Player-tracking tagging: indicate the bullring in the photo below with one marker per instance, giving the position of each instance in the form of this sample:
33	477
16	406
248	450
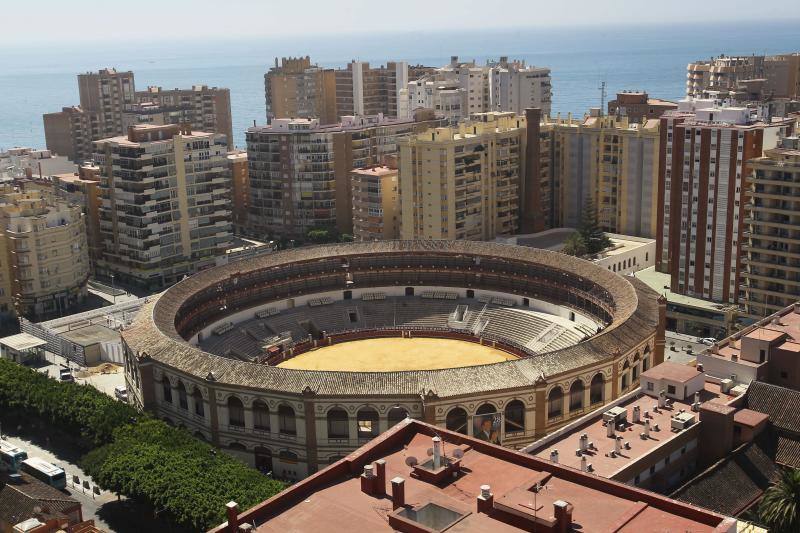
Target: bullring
210	353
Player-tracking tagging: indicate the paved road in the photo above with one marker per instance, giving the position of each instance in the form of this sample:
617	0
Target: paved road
90	501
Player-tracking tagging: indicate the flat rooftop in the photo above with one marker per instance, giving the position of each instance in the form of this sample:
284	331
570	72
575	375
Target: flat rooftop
333	500
660	282
780	330
595	428
90	334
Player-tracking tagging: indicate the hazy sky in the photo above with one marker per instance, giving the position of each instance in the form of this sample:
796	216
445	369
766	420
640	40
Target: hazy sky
97	20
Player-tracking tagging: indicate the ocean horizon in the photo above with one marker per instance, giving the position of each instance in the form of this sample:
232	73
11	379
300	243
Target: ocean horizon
41	77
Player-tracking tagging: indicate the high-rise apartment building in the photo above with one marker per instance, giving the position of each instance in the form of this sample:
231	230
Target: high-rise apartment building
772	230
110	104
365	90
240	189
297	89
611	161
460	89
516	86
103	97
445	97
300	169
376	203
83	188
165	209
463	182
703	162
201	107
47	264
745	78
638	107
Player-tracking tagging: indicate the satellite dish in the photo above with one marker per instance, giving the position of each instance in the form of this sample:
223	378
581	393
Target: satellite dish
458	453
429	452
411	461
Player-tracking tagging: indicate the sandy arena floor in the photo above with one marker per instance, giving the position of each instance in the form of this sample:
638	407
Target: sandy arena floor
383	355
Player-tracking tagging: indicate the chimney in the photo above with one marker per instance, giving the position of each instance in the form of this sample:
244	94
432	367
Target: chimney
554	456
368	480
232	510
485	500
617	445
563	514
636	414
398	492
583	463
610	429
437	452
662	398
379	485
647	428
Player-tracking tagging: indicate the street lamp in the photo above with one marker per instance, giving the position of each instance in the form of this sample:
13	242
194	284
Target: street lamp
113	289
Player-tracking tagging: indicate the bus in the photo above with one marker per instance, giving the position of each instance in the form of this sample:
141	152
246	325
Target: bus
45	472
11	457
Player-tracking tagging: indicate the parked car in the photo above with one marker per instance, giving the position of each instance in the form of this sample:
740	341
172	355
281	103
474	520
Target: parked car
121	393
708	341
66	375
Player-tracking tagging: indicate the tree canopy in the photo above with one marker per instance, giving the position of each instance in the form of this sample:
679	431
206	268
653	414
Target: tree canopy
134	454
590	231
779	509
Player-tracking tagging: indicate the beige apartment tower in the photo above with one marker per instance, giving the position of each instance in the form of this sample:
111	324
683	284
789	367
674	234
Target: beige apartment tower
376	203
47	262
166	209
463	182
298	89
772	240
110	104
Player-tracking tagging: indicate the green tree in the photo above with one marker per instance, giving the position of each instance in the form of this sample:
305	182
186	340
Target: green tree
575	245
322	235
589	229
779	509
130	452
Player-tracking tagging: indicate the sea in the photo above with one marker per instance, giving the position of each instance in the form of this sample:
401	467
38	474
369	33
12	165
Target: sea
41	77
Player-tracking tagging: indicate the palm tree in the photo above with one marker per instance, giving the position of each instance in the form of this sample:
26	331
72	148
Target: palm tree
780	507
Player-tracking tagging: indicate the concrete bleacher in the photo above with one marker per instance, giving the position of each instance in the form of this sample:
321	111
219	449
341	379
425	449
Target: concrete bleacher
492	317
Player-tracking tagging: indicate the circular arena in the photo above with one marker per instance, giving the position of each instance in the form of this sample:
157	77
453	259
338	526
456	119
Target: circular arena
292	360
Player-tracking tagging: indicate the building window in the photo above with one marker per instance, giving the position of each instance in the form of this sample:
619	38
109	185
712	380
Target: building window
367	423
650	385
183	401
576	395
670	389
199	406
514	416
235	412
596	389
286	420
457	420
555	403
260	415
338	424
167	391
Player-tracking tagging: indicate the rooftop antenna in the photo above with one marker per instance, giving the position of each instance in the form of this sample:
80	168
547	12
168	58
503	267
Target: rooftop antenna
602	89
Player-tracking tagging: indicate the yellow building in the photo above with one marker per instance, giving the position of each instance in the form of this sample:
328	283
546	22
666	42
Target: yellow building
613	162
376	203
463	182
47	263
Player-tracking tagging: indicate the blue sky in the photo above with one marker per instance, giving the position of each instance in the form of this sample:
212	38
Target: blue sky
43	21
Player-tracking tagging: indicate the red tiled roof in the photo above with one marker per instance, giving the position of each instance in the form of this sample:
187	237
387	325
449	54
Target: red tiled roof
672	371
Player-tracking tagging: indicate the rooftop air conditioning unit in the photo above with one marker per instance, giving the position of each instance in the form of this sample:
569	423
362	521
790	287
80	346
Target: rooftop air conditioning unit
726	385
616	415
682	421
